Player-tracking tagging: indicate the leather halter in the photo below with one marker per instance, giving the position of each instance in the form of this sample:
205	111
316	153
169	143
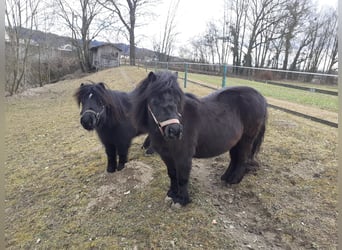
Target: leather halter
163	123
97	114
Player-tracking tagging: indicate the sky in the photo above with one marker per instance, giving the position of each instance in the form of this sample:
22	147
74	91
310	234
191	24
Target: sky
192	17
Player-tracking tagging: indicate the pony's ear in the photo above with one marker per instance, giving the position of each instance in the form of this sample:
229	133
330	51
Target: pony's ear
151	77
102	85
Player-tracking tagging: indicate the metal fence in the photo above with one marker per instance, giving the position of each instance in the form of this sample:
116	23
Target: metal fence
283	78
251	73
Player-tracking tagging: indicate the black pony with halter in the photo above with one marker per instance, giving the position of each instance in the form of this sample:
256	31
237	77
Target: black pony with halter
105	111
230	119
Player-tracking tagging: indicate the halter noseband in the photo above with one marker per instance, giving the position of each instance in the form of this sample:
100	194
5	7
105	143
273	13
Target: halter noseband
163	123
97	114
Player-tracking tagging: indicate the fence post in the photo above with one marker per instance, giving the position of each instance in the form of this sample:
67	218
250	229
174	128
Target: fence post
185	74
224	75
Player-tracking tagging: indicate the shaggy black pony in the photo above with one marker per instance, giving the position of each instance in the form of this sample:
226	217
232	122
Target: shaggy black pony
181	127
106	111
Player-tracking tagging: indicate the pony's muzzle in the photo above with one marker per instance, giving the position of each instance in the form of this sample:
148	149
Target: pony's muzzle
174	131
88	121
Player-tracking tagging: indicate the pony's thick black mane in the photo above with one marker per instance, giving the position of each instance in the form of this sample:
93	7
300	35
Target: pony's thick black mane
163	81
107	97
154	84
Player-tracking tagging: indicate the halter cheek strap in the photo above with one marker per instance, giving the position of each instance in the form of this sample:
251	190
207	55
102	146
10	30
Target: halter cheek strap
163	123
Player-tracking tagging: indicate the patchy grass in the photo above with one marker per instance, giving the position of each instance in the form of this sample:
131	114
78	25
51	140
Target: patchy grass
58	194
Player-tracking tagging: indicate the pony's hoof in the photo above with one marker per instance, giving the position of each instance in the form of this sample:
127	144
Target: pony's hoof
231	178
173	205
182	201
226	176
168	201
111	170
234	179
252	166
176	205
120	167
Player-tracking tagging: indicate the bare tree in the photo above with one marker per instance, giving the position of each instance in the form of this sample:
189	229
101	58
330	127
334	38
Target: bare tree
208	43
128	11
166	42
237	28
333	56
224	38
42	64
297	12
260	17
185	52
264	43
210	40
19	15
321	37
331	48
85	19
213	43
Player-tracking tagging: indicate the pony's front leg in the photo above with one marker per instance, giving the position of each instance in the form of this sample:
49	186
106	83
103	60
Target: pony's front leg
147	146
111	158
183	168
171	171
179	173
123	152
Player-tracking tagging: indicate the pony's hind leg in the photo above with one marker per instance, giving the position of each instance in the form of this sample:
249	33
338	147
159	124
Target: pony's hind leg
239	156
111	158
232	165
252	163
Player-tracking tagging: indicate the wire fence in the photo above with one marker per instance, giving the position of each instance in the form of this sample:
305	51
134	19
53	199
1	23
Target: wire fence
251	73
305	81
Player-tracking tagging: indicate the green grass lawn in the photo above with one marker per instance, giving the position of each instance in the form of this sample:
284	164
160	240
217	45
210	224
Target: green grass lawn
322	101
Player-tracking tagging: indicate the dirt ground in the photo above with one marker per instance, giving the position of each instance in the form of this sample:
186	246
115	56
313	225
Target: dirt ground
59	195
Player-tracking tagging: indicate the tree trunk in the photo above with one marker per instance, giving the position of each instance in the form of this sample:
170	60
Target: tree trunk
131	48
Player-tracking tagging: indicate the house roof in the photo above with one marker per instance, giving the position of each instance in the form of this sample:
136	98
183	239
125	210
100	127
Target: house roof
97	44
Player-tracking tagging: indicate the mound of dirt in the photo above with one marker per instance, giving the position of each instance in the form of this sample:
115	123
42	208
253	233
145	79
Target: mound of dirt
135	175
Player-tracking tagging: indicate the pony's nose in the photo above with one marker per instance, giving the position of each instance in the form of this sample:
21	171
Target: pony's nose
174	131
88	121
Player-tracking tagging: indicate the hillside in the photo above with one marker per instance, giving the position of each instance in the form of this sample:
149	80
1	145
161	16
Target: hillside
57	41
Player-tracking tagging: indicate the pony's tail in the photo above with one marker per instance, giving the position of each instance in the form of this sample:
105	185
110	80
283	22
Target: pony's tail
259	139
